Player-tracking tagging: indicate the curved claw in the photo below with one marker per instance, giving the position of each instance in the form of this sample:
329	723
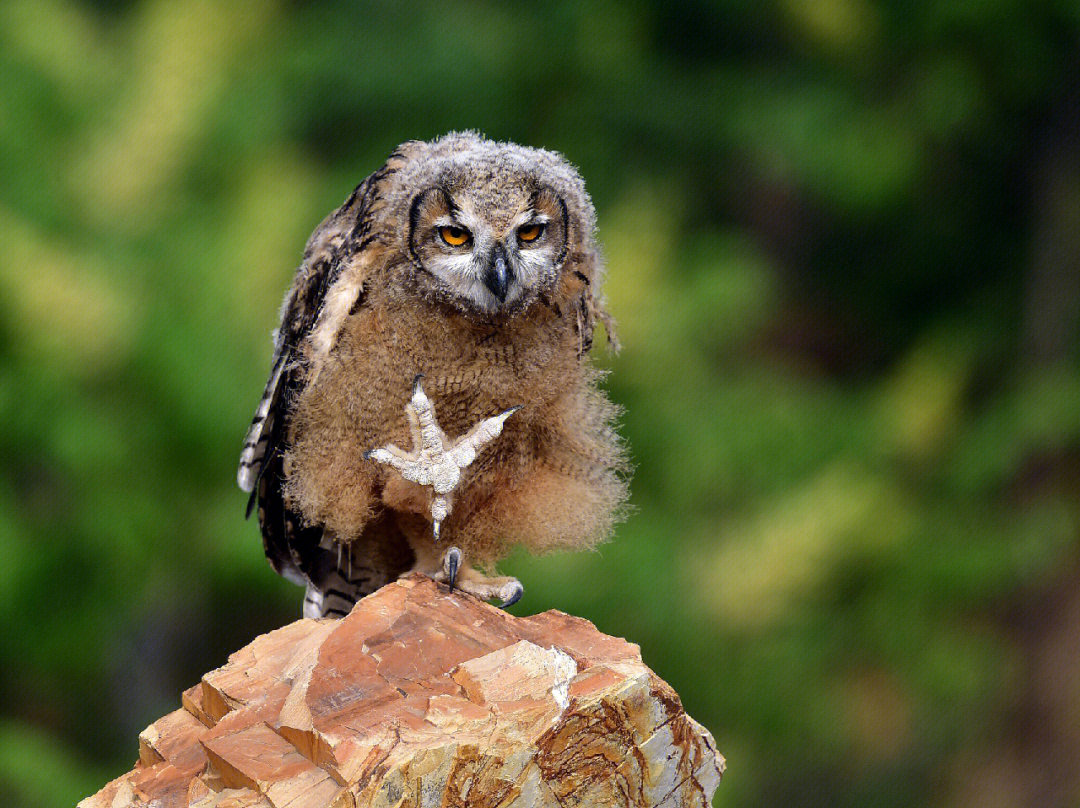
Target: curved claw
516	591
416	382
451	564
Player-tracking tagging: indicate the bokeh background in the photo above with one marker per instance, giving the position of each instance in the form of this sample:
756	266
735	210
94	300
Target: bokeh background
844	250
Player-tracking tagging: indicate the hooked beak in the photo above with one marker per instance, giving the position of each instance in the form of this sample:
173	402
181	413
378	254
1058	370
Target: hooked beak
497	277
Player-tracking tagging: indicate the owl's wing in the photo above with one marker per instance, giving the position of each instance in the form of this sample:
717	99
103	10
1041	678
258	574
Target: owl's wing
590	310
327	287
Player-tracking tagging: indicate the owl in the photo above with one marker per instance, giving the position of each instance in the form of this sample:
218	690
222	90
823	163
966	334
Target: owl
447	306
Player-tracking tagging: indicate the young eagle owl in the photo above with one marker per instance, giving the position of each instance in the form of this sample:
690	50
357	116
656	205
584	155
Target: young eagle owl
464	270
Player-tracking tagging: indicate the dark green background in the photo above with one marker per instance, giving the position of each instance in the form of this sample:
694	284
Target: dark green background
843	248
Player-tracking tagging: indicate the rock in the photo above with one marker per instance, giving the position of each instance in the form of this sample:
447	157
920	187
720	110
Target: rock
421	697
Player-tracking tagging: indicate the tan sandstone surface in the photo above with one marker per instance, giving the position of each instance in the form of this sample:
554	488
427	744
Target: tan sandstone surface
421	697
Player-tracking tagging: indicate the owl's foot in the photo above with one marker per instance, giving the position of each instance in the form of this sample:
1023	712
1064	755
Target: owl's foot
503	588
451	562
435	460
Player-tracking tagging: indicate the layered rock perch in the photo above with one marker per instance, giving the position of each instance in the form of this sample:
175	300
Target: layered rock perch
421	697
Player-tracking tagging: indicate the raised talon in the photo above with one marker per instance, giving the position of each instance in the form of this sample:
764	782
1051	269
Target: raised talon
435	460
511	593
451	563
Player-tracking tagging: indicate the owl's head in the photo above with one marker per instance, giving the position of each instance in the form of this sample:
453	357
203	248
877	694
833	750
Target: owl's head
494	250
489	226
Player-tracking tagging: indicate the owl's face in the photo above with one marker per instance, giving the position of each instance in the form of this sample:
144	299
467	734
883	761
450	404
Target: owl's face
489	248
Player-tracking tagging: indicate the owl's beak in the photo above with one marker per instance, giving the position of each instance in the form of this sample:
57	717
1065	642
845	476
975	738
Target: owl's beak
497	277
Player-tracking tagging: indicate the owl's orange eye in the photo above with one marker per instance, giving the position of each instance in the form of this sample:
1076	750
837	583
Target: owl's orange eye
454	236
530	232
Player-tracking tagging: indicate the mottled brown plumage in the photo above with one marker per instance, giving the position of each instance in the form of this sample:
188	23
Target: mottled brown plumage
503	319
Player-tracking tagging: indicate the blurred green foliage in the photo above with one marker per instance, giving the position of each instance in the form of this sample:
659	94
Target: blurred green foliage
844	250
